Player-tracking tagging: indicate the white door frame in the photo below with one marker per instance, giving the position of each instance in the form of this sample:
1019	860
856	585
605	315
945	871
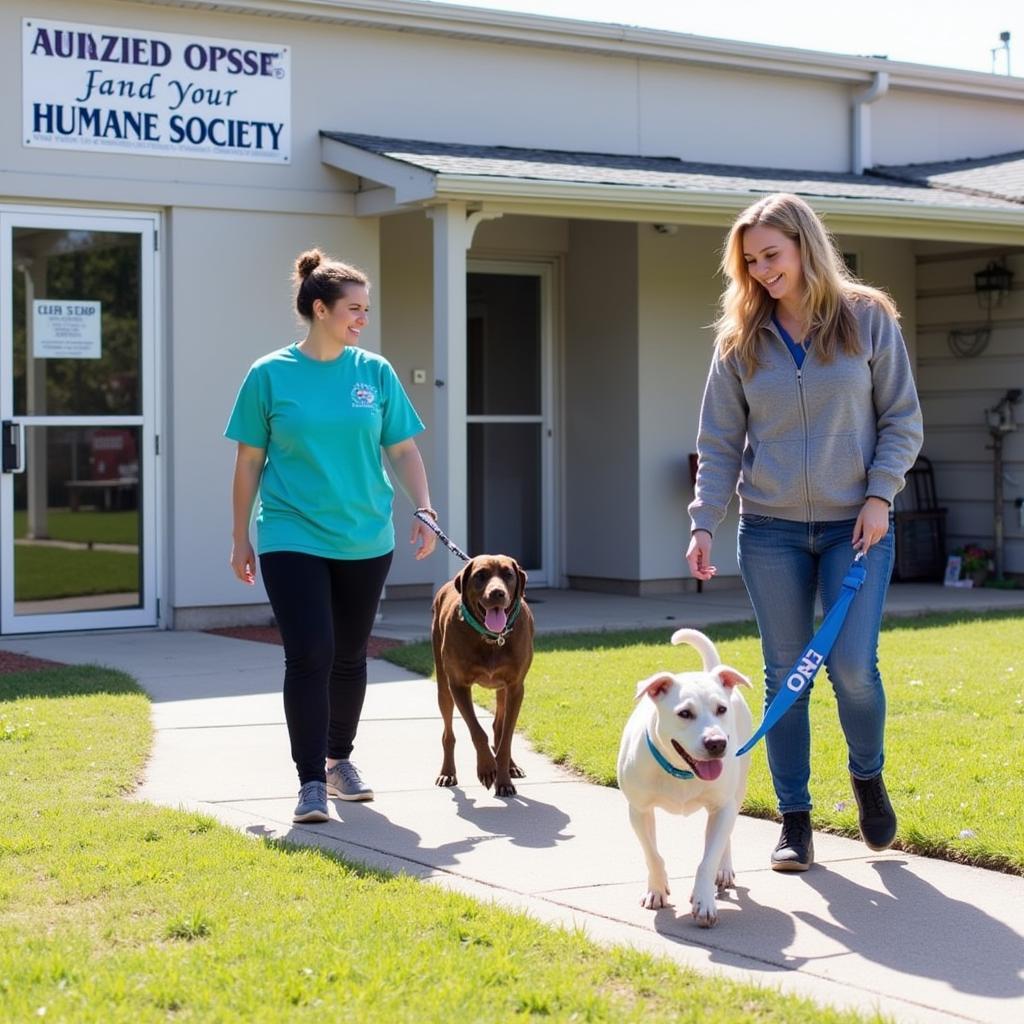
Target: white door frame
146	225
549	573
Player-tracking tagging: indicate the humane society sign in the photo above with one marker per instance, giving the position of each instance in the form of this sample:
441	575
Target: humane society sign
154	93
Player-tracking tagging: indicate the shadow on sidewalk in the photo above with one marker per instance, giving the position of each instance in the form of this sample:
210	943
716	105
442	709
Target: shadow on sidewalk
917	929
523	820
774	932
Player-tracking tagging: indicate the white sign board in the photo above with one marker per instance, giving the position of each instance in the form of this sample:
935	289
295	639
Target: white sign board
65	329
117	90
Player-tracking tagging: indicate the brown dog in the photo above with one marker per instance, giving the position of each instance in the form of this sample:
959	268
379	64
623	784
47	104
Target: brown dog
482	633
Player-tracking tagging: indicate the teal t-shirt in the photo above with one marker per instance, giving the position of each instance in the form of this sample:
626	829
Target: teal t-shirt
324	490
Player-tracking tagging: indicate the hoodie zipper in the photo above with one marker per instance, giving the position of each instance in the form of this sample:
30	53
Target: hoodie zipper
803	419
807	441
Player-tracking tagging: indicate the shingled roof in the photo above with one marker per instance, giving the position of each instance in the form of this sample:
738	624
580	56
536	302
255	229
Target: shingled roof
995	177
667	173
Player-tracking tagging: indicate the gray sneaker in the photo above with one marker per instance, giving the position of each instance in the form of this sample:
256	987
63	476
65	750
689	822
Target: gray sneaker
345	783
312	805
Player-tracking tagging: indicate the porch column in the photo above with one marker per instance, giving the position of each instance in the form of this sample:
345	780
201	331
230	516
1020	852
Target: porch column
449	479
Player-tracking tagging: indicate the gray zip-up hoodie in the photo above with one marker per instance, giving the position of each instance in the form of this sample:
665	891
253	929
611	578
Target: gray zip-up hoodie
808	444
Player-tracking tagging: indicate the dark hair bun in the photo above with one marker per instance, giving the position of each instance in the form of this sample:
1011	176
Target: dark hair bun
308	262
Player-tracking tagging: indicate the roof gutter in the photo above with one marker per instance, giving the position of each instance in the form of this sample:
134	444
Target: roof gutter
685	206
860	148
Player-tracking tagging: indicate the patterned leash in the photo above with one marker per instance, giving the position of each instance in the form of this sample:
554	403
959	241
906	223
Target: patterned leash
816	652
454	548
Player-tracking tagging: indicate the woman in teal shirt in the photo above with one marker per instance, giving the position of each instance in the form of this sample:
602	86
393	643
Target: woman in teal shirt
310	421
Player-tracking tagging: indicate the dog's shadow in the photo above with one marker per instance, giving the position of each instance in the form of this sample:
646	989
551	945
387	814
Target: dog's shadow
775	930
523	821
527	822
917	929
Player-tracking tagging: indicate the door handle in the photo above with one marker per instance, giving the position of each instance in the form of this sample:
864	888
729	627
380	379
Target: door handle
12	443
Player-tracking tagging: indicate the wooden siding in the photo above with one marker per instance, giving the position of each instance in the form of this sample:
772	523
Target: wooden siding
956	391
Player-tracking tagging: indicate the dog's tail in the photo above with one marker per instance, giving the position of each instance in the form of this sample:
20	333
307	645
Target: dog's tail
695	638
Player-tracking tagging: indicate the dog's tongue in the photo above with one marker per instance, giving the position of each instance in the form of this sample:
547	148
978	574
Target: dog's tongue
495	619
708	770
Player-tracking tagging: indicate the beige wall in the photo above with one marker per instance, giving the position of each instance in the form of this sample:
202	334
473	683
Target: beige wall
678	295
403	301
230	301
718	116
601	416
911	127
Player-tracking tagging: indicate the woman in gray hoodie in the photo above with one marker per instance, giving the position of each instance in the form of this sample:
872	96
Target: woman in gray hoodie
810	415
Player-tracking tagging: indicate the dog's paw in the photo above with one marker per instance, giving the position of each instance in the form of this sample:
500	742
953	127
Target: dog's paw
654	899
725	879
515	771
703	909
446	780
487	773
504	789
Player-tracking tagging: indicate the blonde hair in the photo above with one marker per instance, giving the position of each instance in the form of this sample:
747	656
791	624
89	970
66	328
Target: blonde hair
830	289
317	276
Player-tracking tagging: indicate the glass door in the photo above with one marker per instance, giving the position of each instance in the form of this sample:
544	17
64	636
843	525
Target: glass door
77	509
508	402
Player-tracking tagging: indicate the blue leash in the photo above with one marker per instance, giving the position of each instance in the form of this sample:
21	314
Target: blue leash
816	652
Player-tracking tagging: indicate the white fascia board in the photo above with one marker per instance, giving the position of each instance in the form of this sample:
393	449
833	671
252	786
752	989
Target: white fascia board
410	184
646	205
610	39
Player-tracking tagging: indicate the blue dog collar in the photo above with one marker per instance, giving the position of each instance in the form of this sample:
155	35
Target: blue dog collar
658	756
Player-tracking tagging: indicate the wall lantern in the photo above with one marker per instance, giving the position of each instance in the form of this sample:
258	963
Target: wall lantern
992	283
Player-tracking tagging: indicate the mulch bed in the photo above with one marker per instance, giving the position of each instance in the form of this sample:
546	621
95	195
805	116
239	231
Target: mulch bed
11	662
271	635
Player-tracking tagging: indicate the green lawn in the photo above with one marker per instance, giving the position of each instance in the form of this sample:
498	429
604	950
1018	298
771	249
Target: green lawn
113	911
50	572
117	527
955	688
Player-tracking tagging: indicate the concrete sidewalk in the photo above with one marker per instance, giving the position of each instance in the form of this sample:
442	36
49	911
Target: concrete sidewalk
918	939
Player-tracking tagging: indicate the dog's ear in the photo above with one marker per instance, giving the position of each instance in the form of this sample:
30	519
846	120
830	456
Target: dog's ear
654	686
462	580
521	581
729	677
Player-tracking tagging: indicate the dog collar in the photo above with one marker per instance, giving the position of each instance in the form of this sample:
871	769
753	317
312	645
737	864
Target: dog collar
664	761
488	634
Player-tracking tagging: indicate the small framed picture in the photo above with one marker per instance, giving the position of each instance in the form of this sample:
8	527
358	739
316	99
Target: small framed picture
952	571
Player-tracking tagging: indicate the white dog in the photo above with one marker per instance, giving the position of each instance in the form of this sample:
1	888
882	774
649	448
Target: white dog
678	753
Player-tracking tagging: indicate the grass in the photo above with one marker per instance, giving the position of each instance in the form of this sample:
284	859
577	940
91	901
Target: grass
955	689
114	911
41	573
85	526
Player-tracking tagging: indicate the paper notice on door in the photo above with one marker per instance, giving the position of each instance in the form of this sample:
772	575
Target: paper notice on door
66	329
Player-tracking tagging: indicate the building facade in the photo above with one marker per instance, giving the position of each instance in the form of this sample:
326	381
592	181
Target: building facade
540	204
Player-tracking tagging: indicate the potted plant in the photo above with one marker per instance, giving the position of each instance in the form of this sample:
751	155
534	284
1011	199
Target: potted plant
975	563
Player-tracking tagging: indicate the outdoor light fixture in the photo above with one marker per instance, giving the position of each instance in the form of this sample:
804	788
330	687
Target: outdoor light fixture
992	283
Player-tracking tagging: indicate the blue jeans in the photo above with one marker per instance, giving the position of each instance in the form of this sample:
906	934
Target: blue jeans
784	565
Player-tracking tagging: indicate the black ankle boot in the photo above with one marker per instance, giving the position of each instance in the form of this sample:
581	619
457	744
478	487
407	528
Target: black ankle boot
877	818
795	850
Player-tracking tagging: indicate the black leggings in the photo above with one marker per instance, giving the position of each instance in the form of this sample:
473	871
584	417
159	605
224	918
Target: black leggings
325	609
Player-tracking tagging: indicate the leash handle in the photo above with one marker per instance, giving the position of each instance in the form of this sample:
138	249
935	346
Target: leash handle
425	518
806	668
